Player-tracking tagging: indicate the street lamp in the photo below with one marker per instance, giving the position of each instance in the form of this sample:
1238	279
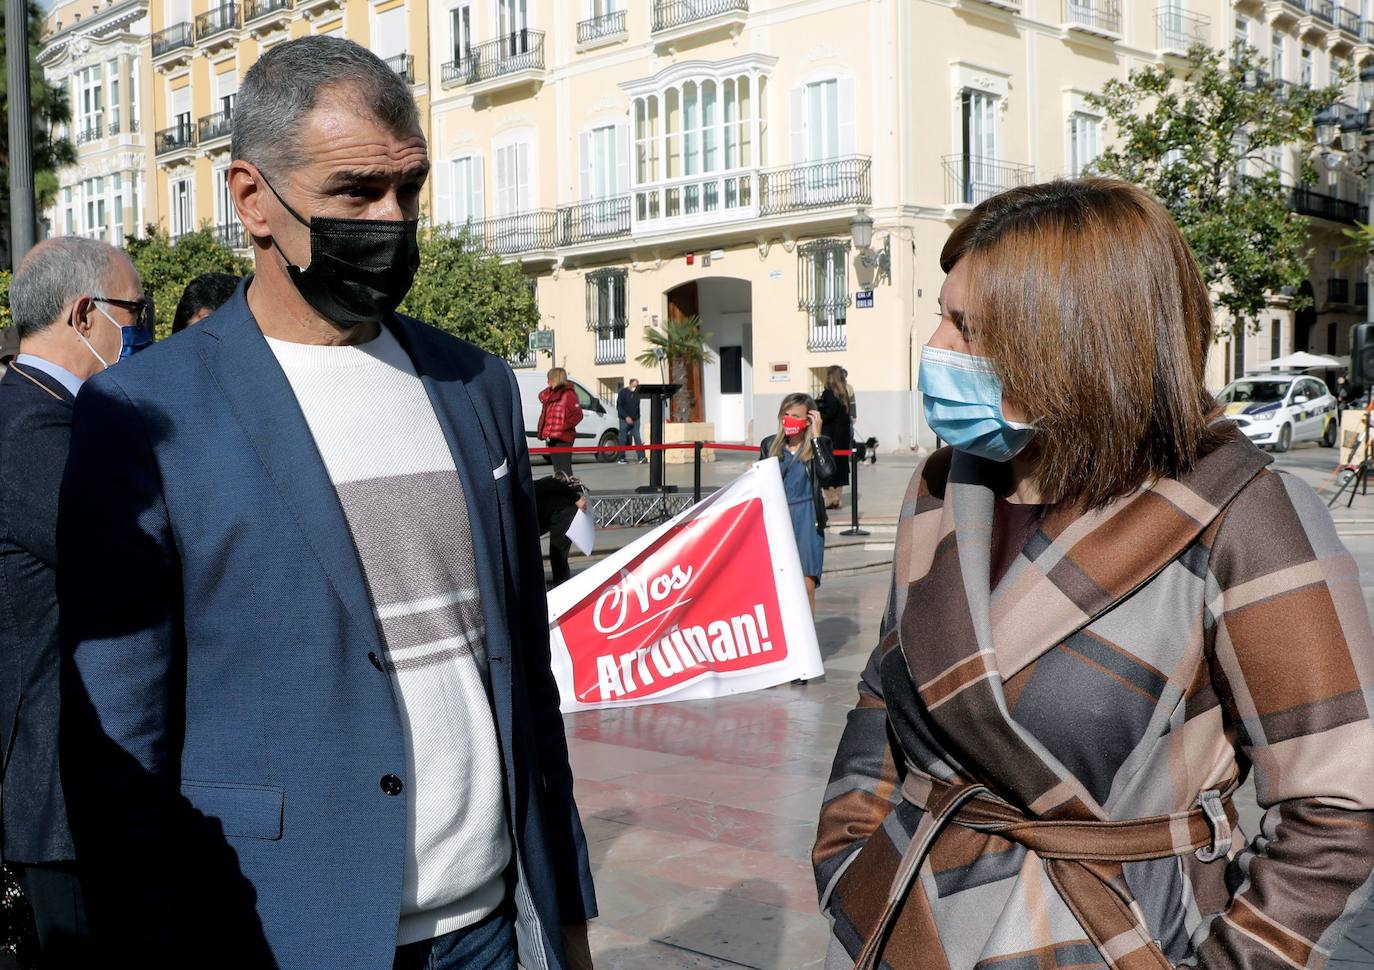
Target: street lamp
861	233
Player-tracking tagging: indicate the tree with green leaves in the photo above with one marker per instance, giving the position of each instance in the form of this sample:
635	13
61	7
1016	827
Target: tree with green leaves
6	318
472	293
1202	138
48	107
682	344
166	267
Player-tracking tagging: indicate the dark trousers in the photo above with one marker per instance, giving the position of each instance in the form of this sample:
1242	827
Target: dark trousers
562	461
488	945
59	914
559	543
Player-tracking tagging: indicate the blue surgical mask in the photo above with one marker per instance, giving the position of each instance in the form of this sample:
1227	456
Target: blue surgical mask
962	398
131	339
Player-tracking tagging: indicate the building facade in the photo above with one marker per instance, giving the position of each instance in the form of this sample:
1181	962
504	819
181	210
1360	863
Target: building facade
98	53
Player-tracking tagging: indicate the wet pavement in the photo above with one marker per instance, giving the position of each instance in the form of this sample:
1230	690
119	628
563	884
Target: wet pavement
700	815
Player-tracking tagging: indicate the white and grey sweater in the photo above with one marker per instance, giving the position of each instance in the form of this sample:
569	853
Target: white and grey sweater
381	442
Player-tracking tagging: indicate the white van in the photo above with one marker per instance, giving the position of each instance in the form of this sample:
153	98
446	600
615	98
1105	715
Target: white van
599	426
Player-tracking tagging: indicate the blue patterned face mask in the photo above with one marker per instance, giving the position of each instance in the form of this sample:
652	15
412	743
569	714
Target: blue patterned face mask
962	398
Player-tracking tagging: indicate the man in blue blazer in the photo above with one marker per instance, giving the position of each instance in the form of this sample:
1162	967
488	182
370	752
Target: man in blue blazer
308	714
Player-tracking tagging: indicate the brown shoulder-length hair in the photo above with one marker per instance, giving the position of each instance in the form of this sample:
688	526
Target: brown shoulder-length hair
1093	312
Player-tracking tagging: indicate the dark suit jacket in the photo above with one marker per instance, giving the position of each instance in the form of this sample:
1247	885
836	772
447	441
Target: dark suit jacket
35	430
627	404
227	726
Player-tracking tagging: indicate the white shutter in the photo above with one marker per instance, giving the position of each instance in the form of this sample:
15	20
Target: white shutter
584	142
503	179
389	37
622	158
475	206
798	121
443	193
524	196
848	121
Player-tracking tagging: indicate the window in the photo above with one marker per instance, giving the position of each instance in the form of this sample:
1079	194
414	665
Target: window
93	191
1242	28
389	33
978	130
92	120
513	178
1305	67
136	204
112	72
181	218
732	370
1276	58
464	201
1334	66
226	90
606	316
512	19
460	31
823	291
117	209
822	120
133	94
601	162
1085	142
1275	338
68	212
225	213
181	113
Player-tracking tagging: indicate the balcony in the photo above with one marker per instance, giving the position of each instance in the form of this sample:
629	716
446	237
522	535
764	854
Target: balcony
508	62
1176	30
1348	22
214	127
215	28
521	234
1101	18
92	132
675	20
816	185
599	31
173	44
594	221
971	179
1337	291
263	15
314	9
1367	32
404	65
178	138
1306	202
610	341
231	235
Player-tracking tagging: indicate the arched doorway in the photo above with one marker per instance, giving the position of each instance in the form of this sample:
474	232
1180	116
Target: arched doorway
722	391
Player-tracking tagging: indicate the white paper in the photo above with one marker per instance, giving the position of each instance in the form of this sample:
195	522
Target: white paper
582	532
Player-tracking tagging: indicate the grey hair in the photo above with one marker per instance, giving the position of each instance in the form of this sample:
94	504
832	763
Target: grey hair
55	273
285	84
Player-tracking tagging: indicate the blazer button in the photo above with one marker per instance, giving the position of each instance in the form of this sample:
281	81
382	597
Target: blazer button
376	661
391	784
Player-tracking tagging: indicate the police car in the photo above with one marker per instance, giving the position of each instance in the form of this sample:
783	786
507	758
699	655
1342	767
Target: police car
1274	411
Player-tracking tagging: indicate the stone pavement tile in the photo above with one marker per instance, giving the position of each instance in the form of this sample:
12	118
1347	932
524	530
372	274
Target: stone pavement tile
613	950
602	762
733	826
738	787
610	800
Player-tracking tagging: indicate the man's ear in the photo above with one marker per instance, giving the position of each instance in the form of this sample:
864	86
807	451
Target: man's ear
247	189
80	315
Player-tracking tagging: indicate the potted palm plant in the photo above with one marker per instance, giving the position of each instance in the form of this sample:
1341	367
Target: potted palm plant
680	344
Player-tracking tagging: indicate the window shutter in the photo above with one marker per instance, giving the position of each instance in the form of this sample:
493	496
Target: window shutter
798	121
504	178
523	190
584	142
443	193
476	204
622	159
847	117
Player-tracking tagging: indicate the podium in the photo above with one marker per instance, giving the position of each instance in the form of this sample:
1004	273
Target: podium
659	395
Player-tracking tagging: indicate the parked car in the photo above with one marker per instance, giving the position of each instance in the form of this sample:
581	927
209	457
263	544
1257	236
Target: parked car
1274	411
598	427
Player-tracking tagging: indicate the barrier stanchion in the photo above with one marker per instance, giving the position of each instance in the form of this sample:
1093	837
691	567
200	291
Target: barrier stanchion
696	471
854	529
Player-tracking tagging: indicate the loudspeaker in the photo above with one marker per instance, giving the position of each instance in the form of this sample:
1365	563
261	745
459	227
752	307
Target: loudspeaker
1362	354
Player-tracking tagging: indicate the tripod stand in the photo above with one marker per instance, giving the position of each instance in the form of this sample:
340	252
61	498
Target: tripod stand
1356	477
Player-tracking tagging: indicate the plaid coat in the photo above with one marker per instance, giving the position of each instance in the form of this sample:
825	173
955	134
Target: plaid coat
1130	660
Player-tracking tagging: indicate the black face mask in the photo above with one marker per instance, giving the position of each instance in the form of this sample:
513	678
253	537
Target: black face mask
360	269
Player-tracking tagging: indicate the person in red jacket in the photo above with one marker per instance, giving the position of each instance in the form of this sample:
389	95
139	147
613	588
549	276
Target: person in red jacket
558	418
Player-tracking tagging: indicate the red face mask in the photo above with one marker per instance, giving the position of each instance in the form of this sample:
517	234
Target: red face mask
792	426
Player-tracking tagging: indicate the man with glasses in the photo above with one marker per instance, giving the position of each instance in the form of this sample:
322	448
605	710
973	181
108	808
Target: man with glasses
79	307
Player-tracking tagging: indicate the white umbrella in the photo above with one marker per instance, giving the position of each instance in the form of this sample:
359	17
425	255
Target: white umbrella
1302	360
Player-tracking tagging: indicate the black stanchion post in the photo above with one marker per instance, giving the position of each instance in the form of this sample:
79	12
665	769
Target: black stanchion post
696	471
854	529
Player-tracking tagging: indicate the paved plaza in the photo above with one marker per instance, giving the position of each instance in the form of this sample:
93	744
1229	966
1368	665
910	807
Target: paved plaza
701	815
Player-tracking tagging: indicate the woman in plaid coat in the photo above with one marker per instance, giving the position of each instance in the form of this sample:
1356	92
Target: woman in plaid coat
1107	610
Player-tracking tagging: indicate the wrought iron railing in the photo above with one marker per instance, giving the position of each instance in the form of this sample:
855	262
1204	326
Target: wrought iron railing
1103	15
523	232
1367	31
114	128
1337	291
522	50
836	181
969	179
90	133
217	20
217	125
598	28
1348	21
826	329
1303	200
1178	30
404	65
167	40
174	139
584	222
231	234
1325	10
257	9
677	13
610	342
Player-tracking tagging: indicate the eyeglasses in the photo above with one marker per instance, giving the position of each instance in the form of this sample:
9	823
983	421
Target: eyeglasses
141	309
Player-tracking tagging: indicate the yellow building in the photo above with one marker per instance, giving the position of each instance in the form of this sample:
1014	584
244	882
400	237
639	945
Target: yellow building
199	53
98	53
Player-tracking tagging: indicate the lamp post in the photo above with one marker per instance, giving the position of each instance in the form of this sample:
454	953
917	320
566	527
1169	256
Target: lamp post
23	227
861	234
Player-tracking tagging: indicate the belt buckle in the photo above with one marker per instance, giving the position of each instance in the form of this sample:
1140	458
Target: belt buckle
1214	810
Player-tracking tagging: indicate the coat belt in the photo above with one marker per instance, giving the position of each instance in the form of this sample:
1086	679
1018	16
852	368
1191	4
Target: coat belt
1071	849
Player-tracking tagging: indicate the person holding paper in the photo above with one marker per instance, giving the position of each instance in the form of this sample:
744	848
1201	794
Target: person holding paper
557	500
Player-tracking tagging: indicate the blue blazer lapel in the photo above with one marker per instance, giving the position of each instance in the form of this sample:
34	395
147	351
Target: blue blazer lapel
235	351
